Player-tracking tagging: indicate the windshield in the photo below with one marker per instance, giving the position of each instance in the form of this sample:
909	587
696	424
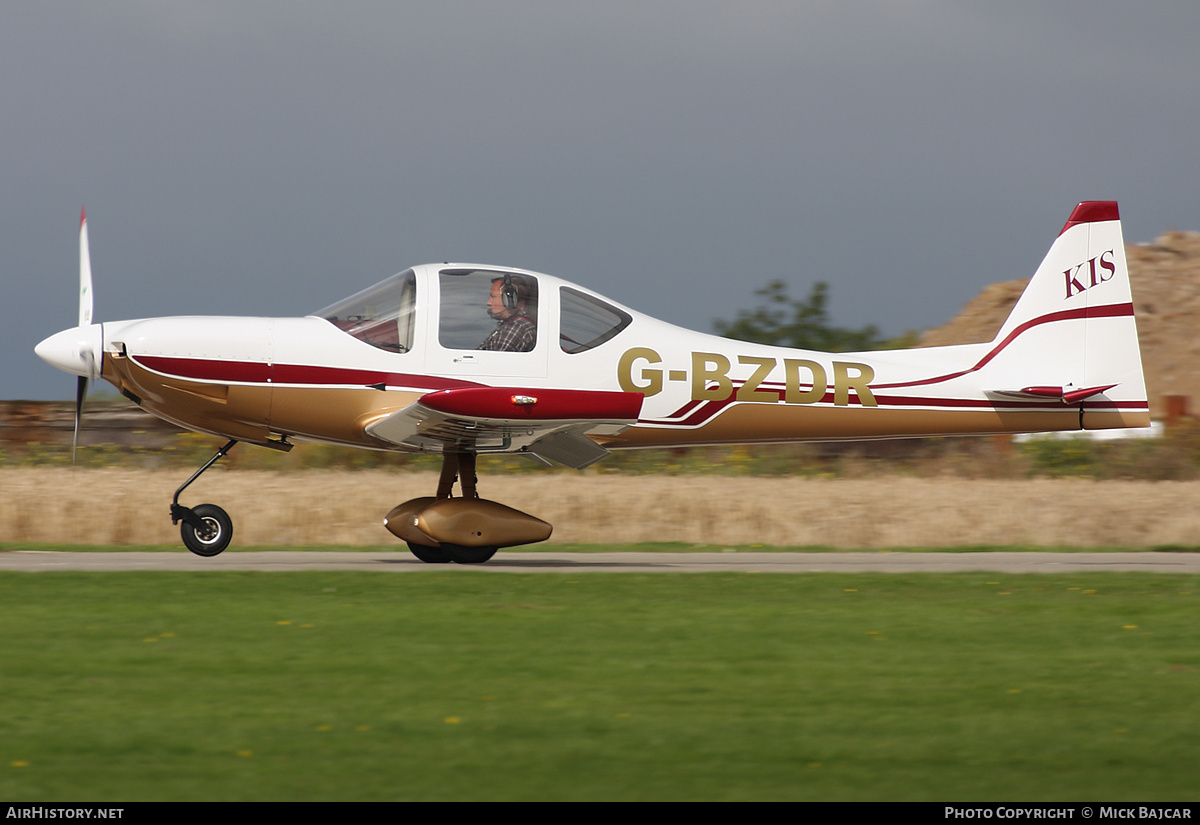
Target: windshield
381	315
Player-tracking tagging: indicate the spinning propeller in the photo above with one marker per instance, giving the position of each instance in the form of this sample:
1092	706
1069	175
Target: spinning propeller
85	319
78	350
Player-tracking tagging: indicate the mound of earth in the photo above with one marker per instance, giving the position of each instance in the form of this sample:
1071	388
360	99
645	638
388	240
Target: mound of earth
1165	278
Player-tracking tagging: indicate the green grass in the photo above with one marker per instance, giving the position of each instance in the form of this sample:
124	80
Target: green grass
461	684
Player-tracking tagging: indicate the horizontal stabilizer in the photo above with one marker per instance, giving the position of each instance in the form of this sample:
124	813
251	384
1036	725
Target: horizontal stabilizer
1065	394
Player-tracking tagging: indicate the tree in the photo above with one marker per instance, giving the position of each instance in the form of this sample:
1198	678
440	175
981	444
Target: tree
802	323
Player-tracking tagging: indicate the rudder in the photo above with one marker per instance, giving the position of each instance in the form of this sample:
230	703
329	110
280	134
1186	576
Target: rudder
1073	327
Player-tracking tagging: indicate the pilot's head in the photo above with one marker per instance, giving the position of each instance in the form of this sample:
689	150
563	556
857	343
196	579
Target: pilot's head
509	296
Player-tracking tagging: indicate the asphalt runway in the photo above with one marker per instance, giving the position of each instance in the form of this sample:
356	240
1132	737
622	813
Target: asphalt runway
400	561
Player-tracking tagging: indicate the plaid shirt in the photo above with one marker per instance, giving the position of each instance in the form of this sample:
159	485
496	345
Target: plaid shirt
516	333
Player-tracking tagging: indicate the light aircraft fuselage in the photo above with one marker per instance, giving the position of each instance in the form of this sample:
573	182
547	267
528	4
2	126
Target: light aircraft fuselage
463	359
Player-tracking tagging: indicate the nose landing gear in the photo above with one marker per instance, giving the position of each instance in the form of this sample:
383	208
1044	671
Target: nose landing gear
213	536
207	529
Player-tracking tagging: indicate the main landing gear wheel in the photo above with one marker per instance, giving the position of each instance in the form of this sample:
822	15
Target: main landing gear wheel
447	553
213	537
429	555
428	519
468	555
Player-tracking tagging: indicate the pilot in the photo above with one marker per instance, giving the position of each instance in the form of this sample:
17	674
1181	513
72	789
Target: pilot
508	304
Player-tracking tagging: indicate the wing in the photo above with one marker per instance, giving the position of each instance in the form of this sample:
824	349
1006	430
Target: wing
562	426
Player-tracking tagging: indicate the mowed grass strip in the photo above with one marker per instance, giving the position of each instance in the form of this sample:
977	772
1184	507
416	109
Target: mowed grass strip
468	685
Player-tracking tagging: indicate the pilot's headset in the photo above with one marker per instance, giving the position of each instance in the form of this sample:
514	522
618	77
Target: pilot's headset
508	293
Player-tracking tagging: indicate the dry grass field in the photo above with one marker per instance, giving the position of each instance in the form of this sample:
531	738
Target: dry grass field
121	507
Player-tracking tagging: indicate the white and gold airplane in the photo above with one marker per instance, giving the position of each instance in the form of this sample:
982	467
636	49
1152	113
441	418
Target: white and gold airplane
463	359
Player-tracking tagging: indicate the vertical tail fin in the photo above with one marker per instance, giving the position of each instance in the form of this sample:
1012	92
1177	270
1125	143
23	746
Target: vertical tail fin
1073	328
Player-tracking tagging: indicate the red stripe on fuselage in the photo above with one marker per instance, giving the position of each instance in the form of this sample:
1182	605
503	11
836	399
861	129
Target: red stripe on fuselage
1109	311
710	409
257	372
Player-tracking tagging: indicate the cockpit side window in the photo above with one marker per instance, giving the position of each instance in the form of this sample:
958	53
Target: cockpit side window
487	310
587	322
381	315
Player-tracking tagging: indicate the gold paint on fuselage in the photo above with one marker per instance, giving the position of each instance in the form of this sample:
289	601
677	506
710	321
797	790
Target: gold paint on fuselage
1111	419
773	423
339	415
801	412
260	414
194	405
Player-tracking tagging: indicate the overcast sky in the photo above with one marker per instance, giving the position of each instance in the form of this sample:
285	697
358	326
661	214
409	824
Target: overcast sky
268	158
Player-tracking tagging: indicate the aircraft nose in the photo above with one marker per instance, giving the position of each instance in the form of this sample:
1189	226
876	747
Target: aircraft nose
77	350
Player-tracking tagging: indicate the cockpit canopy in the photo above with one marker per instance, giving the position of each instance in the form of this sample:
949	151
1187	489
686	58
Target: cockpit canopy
472	302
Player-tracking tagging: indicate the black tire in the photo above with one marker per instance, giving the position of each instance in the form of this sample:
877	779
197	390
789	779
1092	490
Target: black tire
214	538
469	555
429	555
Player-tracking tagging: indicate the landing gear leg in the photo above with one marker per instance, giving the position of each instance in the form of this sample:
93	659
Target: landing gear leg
206	529
466	475
456	468
458	553
449	475
425	548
